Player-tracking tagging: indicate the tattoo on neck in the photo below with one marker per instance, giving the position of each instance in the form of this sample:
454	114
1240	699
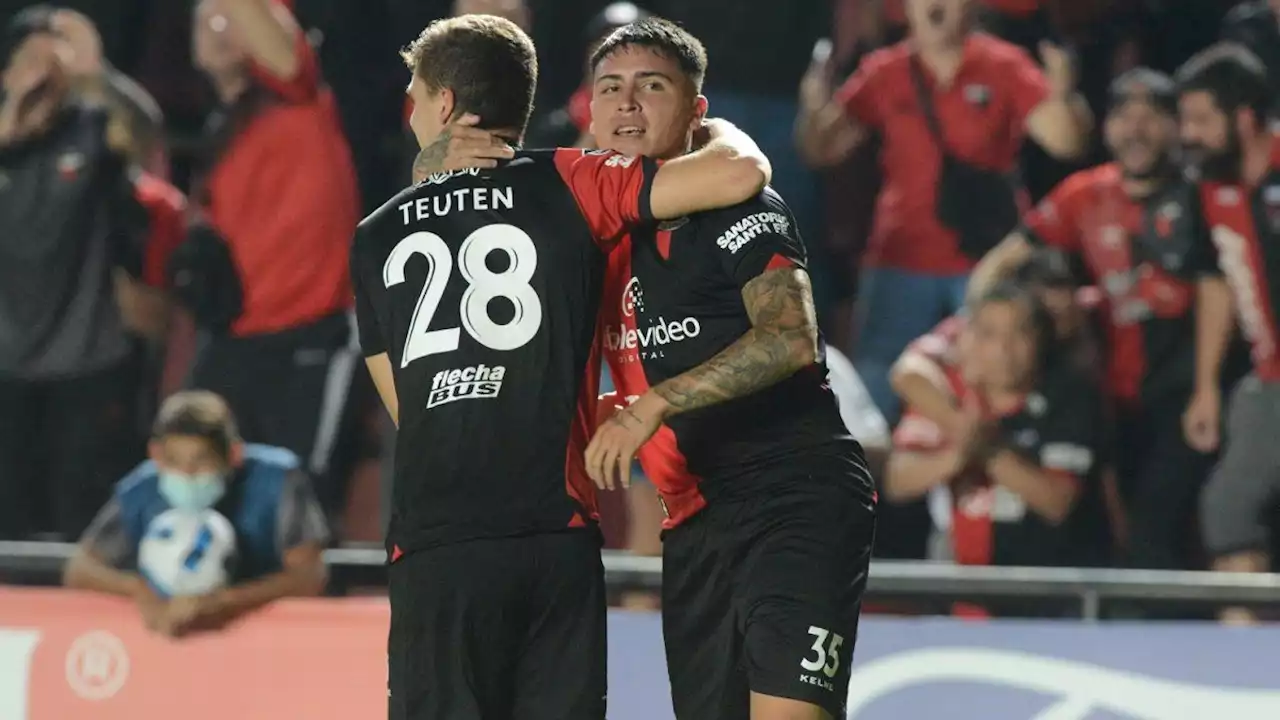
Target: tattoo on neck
431	158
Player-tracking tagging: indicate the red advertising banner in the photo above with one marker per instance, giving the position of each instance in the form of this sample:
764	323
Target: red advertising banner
66	655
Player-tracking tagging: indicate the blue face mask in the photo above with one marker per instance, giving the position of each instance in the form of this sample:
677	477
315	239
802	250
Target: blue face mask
192	492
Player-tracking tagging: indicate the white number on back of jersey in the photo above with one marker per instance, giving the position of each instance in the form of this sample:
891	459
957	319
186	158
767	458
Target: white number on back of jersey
483	285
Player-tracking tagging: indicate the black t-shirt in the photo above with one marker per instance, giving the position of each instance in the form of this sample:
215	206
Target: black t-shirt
63	198
673	300
482	288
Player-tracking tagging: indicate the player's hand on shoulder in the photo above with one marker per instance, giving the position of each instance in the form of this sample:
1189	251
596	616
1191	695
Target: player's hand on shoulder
462	145
613	449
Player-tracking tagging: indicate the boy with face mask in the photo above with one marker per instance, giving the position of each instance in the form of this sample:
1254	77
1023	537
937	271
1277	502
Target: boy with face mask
198	462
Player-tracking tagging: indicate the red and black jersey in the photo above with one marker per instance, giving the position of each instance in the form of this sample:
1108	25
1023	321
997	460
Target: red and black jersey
1242	241
672	301
1139	253
483	287
1058	427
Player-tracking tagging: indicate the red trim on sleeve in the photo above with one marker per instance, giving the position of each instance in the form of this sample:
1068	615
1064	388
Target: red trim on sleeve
611	189
166	211
778	262
305	83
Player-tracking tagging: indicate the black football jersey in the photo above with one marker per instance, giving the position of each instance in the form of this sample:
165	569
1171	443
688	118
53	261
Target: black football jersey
672	301
482	287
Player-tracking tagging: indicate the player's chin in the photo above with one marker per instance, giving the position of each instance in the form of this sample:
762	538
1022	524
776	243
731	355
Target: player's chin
625	144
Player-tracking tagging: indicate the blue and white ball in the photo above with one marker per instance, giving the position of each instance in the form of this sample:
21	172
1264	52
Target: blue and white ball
187	553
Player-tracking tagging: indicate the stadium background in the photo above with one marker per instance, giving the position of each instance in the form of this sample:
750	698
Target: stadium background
65	655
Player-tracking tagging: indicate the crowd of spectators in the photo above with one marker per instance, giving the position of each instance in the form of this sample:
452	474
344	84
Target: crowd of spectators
1001	300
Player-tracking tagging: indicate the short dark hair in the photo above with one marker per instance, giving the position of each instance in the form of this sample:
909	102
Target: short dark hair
197	413
34	20
1046	268
488	62
1232	74
663	37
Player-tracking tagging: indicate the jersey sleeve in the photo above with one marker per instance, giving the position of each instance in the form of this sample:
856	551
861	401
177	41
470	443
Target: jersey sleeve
756	236
861	96
1054	221
612	190
1202	258
372	341
299	518
1027	87
1072	437
107	538
305	83
917	433
165	208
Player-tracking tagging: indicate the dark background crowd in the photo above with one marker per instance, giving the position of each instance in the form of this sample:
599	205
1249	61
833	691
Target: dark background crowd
108	297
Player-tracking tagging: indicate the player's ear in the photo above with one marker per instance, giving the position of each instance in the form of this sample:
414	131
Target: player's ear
700	106
448	103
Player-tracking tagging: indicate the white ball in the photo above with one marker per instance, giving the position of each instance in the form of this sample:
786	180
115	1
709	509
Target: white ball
186	553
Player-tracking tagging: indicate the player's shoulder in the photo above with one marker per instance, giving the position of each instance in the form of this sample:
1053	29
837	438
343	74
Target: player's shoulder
386	213
1100	177
142	479
269	459
889	58
767	200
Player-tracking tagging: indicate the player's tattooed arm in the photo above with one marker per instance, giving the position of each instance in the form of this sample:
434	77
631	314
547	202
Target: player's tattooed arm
783	339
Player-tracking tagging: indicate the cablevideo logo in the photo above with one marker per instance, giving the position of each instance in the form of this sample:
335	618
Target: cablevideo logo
647	341
469	383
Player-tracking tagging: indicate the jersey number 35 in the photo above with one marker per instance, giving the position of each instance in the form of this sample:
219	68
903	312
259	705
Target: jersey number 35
483	285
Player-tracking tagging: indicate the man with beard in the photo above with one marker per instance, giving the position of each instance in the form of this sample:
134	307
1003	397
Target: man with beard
1223	103
711	336
1133	223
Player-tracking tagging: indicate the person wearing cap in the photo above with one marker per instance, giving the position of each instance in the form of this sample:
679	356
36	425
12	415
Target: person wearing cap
277	204
1132	223
79	227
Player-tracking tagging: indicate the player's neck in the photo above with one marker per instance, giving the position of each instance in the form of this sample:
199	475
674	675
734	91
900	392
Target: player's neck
1256	159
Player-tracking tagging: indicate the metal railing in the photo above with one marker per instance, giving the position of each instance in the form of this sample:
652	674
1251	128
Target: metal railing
41	563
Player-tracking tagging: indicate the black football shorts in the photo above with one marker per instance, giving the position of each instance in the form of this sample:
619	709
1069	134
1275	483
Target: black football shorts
501	629
763	595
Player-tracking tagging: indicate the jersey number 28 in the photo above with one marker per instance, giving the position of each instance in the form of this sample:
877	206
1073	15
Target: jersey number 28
483	285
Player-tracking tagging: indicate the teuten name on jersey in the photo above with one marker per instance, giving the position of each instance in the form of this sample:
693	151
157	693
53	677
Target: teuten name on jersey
470	383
